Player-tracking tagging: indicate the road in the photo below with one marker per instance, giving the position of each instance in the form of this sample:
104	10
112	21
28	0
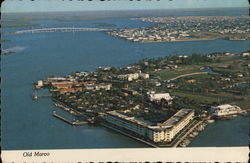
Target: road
189	74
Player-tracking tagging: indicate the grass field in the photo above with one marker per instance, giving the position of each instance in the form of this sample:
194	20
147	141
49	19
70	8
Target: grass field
168	74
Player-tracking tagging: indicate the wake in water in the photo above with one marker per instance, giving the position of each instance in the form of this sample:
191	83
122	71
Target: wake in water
13	49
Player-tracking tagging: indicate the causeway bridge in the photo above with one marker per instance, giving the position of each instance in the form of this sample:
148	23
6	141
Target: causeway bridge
59	29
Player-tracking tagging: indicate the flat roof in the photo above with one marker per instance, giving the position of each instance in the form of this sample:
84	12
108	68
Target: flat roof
177	117
125	117
168	124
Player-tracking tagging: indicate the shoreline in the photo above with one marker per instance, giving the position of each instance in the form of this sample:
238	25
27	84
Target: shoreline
75	81
186	40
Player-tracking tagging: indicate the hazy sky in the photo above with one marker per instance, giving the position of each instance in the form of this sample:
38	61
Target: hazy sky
86	5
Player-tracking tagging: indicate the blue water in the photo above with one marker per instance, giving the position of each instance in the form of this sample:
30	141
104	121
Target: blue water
28	124
217	133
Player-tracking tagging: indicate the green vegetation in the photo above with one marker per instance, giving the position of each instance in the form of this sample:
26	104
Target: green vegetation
196	82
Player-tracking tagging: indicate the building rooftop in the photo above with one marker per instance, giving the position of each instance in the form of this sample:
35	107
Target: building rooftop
132	119
177	117
225	106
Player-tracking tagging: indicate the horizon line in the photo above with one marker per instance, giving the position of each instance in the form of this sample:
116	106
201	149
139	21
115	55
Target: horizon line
121	10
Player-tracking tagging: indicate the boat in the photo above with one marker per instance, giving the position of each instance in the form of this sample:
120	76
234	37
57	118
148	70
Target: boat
34	97
210	121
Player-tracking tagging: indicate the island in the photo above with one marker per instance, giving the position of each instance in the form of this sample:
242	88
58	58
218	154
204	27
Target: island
162	102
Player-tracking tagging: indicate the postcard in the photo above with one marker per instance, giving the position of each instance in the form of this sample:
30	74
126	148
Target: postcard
125	81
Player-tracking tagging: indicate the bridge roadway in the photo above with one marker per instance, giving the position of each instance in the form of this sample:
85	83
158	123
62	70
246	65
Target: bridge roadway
60	29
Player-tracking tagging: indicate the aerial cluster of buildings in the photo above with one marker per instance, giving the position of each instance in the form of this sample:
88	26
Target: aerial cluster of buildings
64	85
136	101
187	28
159	133
133	76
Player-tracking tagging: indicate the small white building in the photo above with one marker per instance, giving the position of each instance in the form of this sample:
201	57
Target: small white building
144	76
158	96
224	110
245	54
39	83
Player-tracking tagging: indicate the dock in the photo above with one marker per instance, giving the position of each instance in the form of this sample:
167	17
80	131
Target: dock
186	134
68	121
73	111
35	96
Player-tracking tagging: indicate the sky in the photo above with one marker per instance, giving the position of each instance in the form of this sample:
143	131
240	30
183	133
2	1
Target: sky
9	6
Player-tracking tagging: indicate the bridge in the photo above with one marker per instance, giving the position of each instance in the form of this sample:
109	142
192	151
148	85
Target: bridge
59	29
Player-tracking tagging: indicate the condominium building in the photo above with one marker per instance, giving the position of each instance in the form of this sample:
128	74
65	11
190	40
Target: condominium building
163	132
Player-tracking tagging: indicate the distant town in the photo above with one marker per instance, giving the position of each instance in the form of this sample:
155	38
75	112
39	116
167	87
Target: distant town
162	102
187	28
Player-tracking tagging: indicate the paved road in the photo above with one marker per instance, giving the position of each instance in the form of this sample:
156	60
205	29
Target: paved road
190	74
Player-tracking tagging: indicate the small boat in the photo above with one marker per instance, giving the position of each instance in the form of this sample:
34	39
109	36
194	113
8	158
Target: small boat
34	97
210	121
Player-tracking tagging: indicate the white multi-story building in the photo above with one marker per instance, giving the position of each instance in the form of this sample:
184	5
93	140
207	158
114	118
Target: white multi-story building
129	77
164	132
158	96
224	110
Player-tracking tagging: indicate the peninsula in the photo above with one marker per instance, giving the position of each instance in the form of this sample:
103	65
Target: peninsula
163	102
187	28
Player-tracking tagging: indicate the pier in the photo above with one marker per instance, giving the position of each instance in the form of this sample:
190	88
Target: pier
68	121
72	111
35	96
186	134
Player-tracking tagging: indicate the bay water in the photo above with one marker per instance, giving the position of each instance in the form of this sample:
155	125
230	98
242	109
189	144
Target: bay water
28	124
